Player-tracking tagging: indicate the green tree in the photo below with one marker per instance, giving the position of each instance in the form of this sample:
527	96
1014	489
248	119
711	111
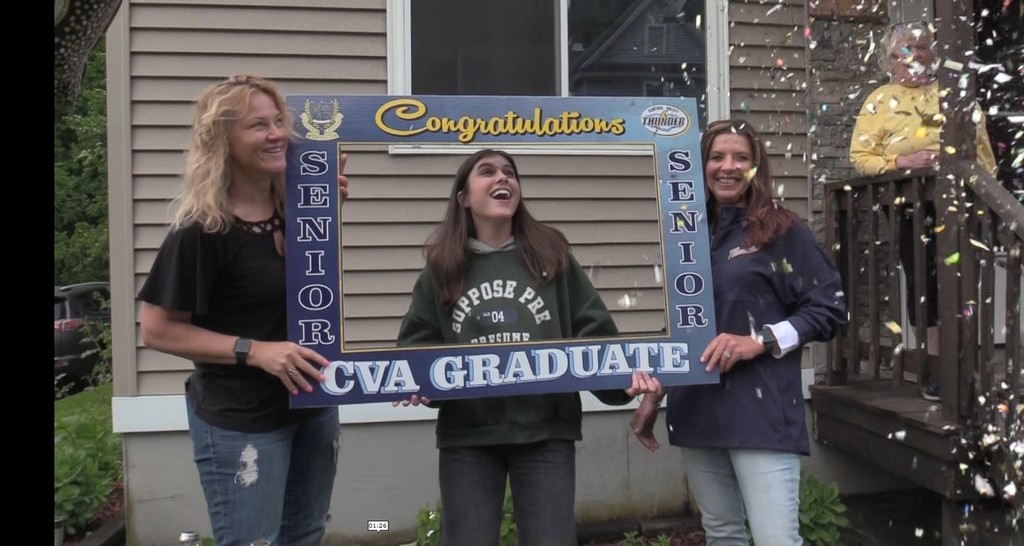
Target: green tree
81	250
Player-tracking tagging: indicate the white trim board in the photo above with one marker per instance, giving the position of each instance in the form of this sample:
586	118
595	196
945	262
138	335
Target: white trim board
167	413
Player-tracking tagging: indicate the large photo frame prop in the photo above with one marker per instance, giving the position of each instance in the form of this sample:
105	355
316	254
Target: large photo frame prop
326	124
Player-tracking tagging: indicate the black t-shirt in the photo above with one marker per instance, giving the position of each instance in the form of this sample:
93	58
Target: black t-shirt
233	283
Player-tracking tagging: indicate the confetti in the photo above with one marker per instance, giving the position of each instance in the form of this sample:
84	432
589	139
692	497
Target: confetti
899	435
626	302
952	258
750	174
982	486
893	327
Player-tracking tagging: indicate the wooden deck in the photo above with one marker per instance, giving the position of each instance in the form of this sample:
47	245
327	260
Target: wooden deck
892	427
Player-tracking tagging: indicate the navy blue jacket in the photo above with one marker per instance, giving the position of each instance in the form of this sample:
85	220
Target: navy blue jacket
759	403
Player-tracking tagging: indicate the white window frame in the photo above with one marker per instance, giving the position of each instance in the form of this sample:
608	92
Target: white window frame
399	32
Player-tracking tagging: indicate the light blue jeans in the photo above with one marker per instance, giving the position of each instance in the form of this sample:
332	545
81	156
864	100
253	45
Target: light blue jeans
734	485
271	486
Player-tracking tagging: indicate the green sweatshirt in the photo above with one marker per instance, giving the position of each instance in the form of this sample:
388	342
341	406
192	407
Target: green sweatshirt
502	303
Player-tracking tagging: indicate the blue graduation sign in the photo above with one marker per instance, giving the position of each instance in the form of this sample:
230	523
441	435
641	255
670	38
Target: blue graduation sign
326	124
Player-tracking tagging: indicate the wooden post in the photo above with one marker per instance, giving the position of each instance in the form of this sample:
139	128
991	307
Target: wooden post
954	39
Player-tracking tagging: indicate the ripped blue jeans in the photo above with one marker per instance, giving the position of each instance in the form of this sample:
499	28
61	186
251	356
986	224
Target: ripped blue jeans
273	486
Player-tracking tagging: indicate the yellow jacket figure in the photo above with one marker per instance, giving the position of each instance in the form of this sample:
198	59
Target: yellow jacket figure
896	120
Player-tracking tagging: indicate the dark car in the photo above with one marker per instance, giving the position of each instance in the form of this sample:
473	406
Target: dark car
75	346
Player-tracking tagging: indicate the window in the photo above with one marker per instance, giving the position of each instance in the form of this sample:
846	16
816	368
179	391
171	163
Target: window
91	302
474	47
560	47
655	39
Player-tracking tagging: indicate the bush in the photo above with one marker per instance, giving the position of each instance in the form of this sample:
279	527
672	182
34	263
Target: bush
99	335
428	524
822	512
86	457
81	246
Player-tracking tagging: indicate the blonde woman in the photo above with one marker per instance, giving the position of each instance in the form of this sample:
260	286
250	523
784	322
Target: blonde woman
216	296
900	128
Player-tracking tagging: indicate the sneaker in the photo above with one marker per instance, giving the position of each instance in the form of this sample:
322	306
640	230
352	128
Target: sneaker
930	389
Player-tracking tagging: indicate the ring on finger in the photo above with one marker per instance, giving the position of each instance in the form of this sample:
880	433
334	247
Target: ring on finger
727	354
293	371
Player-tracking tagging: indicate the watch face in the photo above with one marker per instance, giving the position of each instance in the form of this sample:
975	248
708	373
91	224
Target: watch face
242	350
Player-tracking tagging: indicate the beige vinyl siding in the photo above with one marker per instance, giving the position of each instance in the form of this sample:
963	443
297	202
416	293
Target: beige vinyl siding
768	87
175	50
606	206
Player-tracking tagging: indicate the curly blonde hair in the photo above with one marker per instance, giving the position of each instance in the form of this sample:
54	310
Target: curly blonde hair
204	197
915	32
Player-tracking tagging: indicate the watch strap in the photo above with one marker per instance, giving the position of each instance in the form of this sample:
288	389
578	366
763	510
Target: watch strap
242	346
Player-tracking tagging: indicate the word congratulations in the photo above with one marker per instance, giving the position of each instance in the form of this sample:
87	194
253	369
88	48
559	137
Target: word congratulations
567	124
468	371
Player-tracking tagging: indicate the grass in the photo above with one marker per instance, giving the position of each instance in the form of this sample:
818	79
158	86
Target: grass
94	402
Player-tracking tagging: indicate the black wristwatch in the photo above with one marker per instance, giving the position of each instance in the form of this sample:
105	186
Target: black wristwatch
767	337
242	346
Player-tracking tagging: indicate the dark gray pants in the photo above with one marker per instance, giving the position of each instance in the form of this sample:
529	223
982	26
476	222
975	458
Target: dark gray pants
543	480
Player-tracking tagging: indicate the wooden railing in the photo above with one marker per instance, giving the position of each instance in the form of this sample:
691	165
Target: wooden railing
979	226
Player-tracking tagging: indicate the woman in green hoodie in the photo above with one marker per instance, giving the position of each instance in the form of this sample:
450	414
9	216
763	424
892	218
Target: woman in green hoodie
495	274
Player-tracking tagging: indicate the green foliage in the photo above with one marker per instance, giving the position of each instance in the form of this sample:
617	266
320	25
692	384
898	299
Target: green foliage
428	524
86	456
632	538
822	512
662	540
99	335
80	244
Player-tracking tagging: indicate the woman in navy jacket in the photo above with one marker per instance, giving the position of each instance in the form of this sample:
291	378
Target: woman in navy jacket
775	290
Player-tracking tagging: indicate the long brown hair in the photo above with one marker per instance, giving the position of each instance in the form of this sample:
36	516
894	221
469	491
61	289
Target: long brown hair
766	219
543	249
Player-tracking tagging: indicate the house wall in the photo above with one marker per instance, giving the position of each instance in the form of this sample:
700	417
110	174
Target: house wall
768	87
162	53
616	479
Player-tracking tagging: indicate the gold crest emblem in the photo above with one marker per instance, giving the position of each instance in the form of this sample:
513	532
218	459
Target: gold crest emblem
321	123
